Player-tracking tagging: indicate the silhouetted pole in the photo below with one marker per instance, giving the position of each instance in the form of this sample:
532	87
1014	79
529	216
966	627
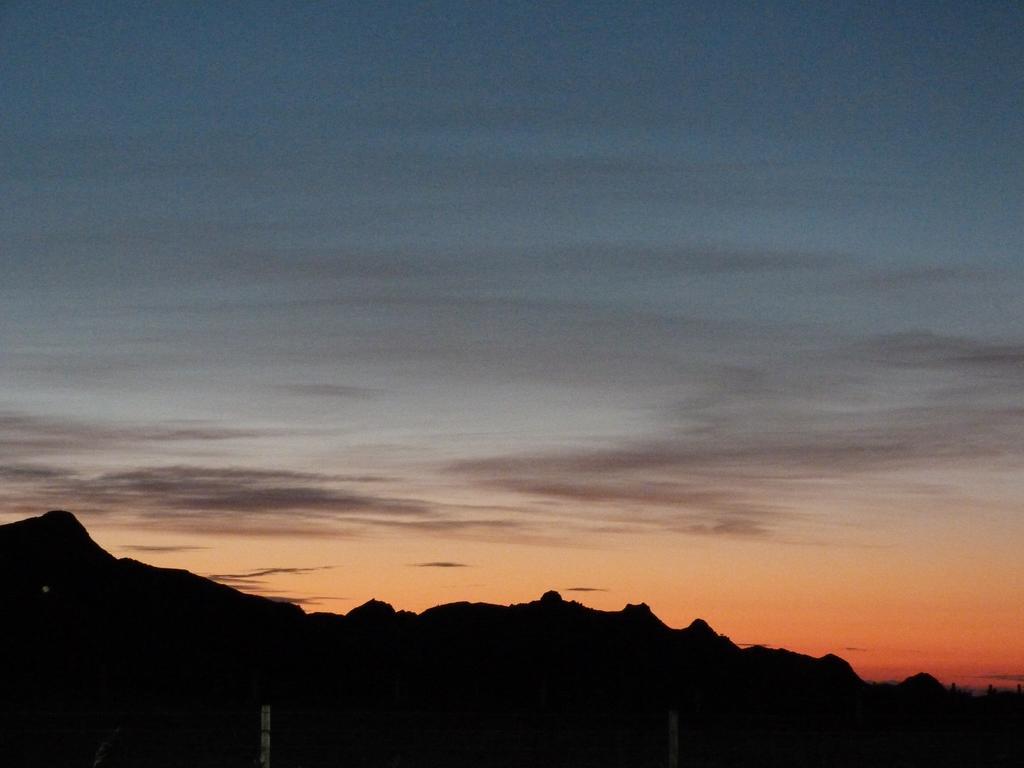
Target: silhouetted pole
673	738
265	736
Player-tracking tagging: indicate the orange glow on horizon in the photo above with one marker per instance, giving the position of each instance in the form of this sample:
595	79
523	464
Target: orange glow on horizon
890	617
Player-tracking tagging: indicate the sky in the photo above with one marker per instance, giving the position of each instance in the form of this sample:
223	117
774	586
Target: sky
714	306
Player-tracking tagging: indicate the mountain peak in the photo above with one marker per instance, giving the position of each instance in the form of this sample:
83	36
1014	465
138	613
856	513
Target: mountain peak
52	553
924	684
638	609
372	610
61	519
641	615
56	537
701	627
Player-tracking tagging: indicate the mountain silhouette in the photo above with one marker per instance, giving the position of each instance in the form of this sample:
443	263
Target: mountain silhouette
86	628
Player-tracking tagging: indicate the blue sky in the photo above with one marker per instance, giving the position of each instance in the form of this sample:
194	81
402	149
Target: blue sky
481	228
554	273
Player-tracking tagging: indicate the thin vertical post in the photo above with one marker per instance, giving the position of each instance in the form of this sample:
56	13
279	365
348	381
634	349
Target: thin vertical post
673	738
265	736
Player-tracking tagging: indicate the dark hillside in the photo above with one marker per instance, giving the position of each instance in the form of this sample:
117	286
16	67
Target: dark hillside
84	628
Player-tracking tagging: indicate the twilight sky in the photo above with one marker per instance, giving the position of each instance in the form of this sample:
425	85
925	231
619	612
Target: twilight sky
713	306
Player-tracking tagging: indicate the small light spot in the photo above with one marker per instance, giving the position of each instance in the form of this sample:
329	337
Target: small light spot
46	588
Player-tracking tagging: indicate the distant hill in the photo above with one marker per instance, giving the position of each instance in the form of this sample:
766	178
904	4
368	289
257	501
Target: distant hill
85	628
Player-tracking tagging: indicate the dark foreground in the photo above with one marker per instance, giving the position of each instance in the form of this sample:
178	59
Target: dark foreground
321	739
177	665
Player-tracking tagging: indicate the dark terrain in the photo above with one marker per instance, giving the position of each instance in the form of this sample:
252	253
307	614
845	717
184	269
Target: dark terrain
182	664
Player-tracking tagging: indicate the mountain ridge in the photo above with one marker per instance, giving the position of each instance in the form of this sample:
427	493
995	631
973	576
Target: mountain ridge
89	627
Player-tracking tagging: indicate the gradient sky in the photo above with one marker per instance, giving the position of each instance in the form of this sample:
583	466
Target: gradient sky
714	306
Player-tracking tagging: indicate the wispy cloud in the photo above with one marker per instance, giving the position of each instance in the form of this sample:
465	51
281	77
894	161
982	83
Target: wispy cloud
241	491
256	579
335	391
1012	677
440	564
159	549
25	436
302	601
901	280
729	460
212	500
923	349
29	473
241	500
584	589
727	481
730	449
261	572
710	259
